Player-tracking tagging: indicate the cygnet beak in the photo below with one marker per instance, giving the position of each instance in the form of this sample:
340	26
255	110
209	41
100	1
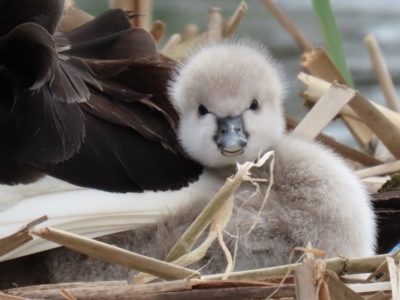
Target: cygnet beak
231	137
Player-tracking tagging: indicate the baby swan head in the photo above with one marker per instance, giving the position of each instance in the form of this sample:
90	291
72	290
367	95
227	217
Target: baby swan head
229	99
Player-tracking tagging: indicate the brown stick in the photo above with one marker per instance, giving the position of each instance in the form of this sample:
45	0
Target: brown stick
288	25
382	72
343	150
327	107
214	33
318	63
158	30
114	254
232	24
385	130
149	293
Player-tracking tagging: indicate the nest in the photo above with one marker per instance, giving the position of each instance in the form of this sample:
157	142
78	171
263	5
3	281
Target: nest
314	276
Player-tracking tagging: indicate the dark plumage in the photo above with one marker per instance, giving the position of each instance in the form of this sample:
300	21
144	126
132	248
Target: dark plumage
87	106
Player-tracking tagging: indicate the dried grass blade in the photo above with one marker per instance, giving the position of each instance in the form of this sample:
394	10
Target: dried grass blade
114	255
229	267
288	25
186	242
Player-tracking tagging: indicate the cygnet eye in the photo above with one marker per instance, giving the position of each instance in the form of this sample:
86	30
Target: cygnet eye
202	110
254	105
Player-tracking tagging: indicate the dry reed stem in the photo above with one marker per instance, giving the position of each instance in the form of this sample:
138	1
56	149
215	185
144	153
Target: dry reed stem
382	267
368	288
229	260
143	7
53	286
143	291
20	237
271	182
288	25
173	41
188	239
381	126
216	292
343	150
305	287
181	51
337	265
394	272
191	30
233	22
380	296
220	219
319	64
316	87
67	294
338	290
114	254
382	73
215	21
73	18
158	30
69	3
388	168
323	112
218	210
9	297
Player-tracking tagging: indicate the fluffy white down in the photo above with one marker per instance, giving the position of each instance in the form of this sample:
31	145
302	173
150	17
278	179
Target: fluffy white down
226	78
315	198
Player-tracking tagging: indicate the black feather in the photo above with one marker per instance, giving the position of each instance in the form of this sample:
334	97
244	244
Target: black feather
41	131
119	159
46	13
